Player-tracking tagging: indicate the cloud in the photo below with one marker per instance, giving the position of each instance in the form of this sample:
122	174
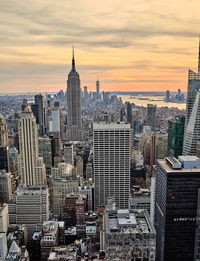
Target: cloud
136	36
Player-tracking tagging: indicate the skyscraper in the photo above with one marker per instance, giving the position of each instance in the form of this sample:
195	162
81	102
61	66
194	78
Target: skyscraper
177	208
129	112
151	115
97	88
73	104
3	131
175	136
192	124
39	101
112	163
32	168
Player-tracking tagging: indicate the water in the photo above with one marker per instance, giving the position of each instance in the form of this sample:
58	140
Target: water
143	100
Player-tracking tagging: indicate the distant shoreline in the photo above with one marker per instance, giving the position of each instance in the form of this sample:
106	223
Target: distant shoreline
150	93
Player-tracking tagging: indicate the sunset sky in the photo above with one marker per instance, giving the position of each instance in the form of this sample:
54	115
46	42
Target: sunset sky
132	45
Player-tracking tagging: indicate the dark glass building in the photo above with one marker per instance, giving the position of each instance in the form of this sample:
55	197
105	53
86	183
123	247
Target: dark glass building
151	115
177	211
176	136
4	159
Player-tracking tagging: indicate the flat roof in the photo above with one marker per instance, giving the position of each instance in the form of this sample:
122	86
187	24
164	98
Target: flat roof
169	169
105	125
188	158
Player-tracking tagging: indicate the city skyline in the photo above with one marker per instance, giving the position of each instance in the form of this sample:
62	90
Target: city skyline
141	46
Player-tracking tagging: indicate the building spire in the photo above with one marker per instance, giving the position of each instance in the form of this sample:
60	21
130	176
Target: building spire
73	60
199	58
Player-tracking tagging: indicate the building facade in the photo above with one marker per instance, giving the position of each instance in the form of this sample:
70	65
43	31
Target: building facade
192	125
112	144
74	121
30	206
175	136
177	211
32	168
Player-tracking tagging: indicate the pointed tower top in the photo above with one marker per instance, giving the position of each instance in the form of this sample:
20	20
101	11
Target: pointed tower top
199	58
73	60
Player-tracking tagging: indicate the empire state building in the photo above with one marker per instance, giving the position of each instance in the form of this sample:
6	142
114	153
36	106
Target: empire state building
74	124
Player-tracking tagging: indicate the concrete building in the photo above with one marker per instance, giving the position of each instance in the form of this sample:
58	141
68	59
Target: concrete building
68	153
13	161
3	246
140	199
63	253
177	208
30	206
74	121
4	222
4	218
50	238
3	131
128	235
59	188
54	123
152	199
5	187
112	144
63	170
32	169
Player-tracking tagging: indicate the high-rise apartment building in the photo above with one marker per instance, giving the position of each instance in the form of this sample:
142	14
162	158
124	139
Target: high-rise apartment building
175	136
177	208
32	168
112	144
151	115
3	131
192	125
73	104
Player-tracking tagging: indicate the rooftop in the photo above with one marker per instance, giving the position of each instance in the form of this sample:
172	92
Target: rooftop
127	222
187	163
105	125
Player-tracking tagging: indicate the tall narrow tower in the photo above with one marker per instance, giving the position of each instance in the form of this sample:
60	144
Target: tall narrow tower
32	168
97	88
73	104
191	136
3	131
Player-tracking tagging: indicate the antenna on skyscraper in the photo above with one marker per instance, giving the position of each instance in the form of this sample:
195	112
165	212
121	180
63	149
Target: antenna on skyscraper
73	60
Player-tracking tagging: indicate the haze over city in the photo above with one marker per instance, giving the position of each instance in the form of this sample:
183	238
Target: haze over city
137	46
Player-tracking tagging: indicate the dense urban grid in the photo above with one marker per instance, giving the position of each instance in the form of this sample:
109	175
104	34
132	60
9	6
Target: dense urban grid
85	176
